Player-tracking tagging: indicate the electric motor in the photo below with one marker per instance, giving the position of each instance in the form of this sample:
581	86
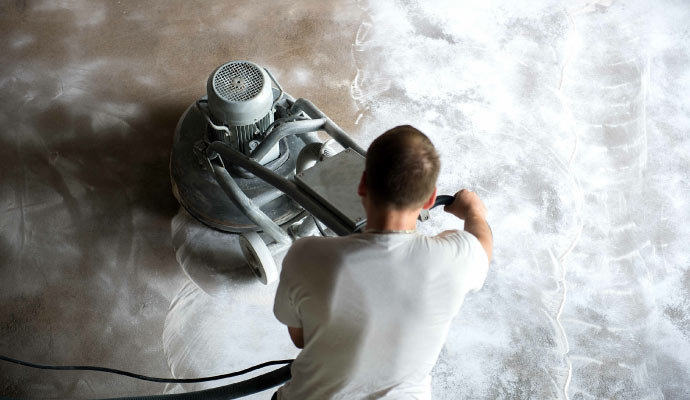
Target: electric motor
240	97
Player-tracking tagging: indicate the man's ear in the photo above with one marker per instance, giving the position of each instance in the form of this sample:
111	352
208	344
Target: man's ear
430	202
362	188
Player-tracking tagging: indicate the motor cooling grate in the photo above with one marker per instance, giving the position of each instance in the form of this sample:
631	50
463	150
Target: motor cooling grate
238	81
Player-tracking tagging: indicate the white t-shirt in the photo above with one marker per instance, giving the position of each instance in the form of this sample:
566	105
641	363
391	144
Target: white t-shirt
375	310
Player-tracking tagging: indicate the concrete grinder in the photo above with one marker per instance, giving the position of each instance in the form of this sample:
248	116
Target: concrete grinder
246	158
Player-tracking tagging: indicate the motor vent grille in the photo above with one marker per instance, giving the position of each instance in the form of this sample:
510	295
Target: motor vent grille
238	81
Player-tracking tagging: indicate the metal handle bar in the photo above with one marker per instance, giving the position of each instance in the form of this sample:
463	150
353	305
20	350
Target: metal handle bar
207	117
280	88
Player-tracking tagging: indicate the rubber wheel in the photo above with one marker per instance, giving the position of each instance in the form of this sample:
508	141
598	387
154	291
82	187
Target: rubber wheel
258	257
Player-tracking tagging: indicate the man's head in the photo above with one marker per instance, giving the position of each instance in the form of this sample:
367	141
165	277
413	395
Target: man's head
401	169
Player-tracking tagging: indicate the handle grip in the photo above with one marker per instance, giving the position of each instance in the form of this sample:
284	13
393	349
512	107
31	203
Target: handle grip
443	200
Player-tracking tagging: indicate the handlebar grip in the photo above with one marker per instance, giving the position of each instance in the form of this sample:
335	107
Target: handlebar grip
443	200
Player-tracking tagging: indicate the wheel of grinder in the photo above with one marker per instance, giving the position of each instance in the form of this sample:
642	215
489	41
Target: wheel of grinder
258	257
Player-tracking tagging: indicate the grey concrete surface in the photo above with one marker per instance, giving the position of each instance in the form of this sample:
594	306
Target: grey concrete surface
570	119
91	93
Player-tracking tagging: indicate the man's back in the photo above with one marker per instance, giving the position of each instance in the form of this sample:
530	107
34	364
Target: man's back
375	310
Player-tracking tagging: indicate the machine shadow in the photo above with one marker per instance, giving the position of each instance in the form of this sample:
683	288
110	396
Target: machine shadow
106	189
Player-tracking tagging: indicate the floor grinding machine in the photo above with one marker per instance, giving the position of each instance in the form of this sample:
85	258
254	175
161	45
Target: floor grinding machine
246	159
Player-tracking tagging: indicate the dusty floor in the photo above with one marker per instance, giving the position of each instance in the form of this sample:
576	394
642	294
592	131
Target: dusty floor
571	119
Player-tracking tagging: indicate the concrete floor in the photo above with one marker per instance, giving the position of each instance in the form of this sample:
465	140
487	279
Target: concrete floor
571	119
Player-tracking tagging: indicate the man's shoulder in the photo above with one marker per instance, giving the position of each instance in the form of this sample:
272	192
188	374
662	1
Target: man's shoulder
456	236
457	244
450	238
450	233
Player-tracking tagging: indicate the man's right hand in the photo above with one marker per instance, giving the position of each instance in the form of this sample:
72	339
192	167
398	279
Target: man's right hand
466	203
470	208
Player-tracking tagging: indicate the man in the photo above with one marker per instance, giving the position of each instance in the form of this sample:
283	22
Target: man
371	311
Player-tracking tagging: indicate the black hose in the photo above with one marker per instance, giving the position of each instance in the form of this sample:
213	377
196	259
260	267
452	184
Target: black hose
286	186
284	130
143	377
231	391
246	205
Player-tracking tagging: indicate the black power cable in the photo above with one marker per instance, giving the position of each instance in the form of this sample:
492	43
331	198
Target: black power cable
143	377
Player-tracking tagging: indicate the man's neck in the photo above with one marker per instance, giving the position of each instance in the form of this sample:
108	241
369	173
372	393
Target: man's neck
392	220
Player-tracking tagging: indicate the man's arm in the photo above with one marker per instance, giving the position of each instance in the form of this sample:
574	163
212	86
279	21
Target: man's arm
469	207
297	336
283	306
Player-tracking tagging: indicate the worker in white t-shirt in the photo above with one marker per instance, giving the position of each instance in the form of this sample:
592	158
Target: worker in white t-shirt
371	311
